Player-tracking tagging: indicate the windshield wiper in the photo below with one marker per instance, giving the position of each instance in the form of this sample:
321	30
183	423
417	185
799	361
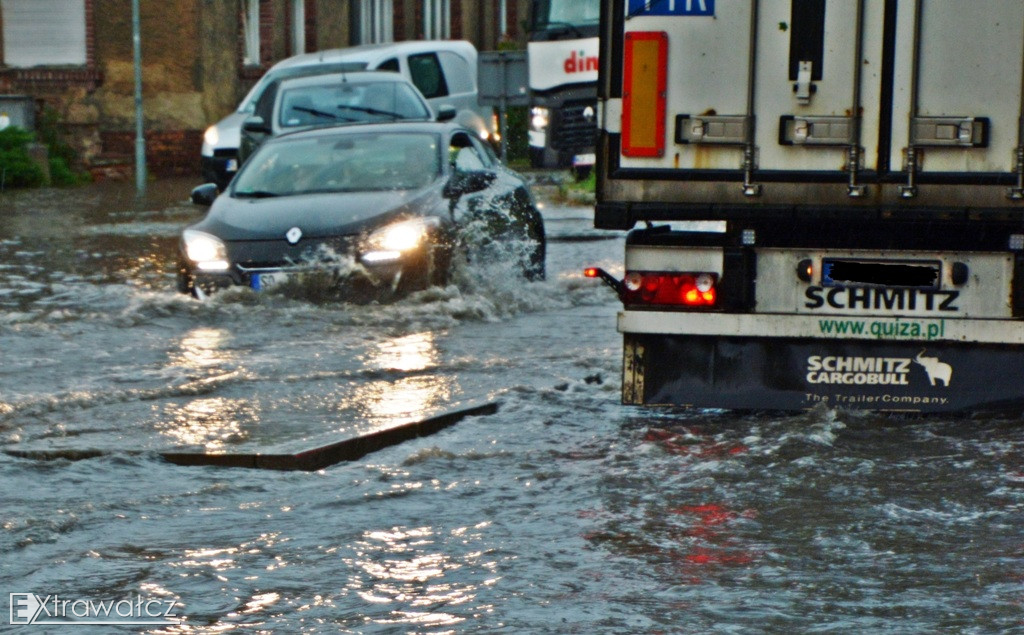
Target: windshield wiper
257	194
315	112
373	111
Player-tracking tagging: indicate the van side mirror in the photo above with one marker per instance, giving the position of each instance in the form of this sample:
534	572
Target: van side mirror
446	113
255	124
205	194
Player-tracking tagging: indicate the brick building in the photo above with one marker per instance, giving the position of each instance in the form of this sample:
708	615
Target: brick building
199	57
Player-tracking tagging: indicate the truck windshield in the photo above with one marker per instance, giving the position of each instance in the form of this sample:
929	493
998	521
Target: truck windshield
554	14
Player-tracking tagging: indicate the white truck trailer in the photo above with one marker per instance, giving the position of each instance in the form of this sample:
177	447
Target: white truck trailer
865	162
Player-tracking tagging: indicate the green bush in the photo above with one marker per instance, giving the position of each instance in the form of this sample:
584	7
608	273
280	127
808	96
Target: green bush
14	138
61	174
62	155
50	135
17	169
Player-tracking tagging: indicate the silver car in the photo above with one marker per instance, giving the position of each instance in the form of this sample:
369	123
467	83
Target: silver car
444	71
334	99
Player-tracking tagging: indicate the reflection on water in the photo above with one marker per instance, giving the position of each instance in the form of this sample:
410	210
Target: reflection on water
257	605
404	400
202	349
408	353
208	422
394	401
211	422
414	571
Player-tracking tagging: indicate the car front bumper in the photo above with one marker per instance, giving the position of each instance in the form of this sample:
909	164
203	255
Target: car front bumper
358	283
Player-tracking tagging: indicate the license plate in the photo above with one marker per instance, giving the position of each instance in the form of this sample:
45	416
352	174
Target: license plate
584	159
232	165
262	281
841	272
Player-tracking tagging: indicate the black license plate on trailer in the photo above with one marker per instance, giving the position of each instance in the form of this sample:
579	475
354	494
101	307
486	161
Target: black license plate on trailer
841	272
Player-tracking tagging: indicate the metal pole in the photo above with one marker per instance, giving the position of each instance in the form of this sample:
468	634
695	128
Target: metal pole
750	147
1016	193
140	140
503	106
854	189
910	189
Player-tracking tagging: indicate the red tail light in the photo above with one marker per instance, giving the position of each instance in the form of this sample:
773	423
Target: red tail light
672	289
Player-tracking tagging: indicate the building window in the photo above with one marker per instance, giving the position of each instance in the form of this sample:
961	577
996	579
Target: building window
44	33
437	19
298	34
251	32
375	21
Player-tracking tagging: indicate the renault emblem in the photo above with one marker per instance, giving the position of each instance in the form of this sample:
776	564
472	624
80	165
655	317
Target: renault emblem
294	235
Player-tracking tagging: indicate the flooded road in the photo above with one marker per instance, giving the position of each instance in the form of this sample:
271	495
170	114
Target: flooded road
565	512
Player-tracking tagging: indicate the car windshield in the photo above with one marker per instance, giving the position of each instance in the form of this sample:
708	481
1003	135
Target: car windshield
357	162
248	104
348	102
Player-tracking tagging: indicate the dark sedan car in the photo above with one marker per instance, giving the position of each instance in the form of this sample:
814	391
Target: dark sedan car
377	208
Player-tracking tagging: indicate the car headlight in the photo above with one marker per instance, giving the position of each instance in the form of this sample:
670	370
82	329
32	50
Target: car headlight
539	118
393	241
211	136
208	252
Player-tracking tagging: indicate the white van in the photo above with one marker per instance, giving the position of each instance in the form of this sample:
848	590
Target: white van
443	70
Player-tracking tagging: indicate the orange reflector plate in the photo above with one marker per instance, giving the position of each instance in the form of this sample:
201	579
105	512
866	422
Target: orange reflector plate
643	94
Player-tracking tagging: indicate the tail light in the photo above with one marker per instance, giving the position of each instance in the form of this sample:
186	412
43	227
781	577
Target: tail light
670	288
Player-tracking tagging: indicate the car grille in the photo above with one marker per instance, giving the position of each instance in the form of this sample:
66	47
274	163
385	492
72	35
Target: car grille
574	131
273	254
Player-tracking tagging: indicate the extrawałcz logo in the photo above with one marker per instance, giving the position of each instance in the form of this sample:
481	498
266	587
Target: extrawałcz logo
32	608
875	371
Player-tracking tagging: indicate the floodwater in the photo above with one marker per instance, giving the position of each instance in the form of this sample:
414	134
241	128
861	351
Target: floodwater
565	512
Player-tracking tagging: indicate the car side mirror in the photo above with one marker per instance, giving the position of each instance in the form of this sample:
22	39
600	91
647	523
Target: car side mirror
205	194
446	113
255	124
463	183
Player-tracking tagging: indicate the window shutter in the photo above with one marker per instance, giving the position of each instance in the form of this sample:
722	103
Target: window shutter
44	32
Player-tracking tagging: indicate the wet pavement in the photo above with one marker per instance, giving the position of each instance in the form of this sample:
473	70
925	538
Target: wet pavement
564	512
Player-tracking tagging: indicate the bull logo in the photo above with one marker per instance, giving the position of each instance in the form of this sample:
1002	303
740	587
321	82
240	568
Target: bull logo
934	368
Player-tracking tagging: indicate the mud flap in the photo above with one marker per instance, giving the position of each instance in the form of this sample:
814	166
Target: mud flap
792	374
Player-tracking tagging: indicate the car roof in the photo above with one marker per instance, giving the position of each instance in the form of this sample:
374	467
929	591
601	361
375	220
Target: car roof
362	128
370	53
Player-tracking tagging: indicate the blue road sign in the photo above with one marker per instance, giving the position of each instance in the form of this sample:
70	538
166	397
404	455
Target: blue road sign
671	7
